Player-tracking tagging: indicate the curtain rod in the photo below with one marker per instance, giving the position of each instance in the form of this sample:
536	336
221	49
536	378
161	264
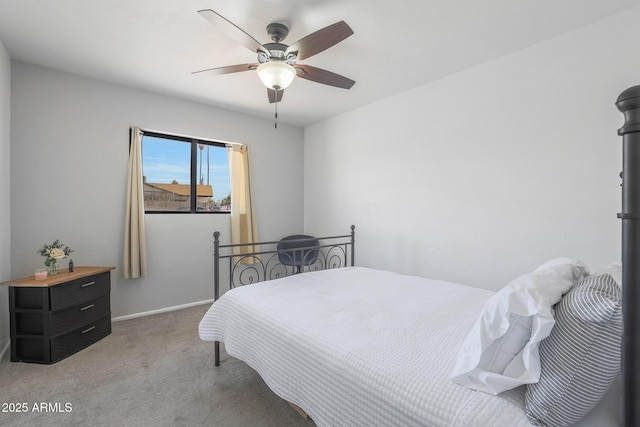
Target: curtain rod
143	130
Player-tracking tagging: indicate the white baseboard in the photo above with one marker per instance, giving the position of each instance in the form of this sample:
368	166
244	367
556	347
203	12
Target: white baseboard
161	310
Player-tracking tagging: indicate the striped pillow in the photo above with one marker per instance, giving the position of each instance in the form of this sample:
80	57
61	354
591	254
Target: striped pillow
581	357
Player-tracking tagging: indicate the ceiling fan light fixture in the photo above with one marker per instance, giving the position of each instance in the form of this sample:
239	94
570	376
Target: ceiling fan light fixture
276	75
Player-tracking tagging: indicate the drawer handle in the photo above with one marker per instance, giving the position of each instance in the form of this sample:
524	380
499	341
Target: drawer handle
87	307
88	329
88	284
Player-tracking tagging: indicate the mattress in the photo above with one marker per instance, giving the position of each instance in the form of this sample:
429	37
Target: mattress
361	347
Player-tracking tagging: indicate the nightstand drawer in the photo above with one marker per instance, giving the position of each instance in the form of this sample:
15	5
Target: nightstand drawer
79	291
74	341
71	318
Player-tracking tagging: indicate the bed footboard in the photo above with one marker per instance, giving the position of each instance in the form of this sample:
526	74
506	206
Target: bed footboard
249	263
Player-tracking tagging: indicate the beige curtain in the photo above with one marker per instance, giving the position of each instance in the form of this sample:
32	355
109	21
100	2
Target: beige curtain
134	260
243	217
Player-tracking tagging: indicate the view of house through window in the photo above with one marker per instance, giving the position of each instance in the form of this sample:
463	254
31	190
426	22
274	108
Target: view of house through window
184	174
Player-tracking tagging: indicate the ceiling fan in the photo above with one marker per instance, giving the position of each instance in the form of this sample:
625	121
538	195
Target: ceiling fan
277	65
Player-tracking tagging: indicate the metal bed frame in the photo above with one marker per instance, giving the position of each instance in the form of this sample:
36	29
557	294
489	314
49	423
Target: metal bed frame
246	265
629	104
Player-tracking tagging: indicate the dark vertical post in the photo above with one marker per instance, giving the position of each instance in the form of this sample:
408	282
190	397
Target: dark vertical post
193	188
629	103
353	243
13	331
216	284
216	265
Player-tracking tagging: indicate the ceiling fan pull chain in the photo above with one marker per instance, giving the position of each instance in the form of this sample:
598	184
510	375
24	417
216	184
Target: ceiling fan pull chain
276	116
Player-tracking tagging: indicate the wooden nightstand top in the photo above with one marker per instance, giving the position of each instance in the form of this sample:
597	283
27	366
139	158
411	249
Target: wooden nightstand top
62	277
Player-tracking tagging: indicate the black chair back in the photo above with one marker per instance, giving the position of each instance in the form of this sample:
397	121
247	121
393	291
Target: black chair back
298	250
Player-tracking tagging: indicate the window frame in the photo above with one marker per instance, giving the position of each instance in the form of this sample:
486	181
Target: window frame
193	172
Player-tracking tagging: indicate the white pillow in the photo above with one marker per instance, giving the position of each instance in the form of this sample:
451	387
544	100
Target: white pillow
614	269
501	350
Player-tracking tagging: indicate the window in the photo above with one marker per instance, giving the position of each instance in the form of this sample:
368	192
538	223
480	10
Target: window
184	175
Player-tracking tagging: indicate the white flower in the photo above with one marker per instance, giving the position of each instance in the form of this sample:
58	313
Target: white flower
54	252
57	254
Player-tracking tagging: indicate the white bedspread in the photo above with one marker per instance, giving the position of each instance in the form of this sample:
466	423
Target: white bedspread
361	347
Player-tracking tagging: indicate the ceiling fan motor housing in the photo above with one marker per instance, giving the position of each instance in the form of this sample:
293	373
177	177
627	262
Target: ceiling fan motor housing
277	51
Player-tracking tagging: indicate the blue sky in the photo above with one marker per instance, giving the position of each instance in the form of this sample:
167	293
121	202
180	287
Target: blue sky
164	161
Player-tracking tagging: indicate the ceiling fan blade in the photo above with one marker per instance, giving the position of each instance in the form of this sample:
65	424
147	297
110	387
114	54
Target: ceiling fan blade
274	96
323	76
232	30
228	69
321	40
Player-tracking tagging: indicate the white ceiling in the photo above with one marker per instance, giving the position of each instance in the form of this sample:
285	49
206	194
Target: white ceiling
397	45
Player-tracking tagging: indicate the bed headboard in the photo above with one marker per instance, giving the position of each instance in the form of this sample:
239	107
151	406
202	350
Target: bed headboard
629	103
248	263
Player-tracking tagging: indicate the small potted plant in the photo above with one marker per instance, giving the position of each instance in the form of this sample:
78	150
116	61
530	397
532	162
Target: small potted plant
54	253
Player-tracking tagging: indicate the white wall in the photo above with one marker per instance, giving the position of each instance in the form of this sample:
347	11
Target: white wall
5	217
483	175
69	153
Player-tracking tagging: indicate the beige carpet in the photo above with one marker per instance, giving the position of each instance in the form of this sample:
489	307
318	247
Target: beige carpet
151	371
